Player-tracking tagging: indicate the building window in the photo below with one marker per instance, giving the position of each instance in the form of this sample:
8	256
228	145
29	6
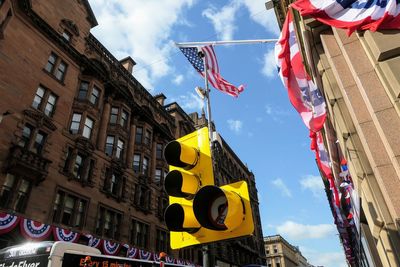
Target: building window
114	115
15	193
162	205
109	145
82	165
51	62
277	262
269	263
158	176
142	197
159	151
56	67
275	247
87	92
67	36
139	135
83	90
108	223
147	137
87	128
114	184
118	143
69	209
26	136
76	126
94	96
145	167
140	234
44	101
162	240
32	139
75	123
267	250
136	163
124	119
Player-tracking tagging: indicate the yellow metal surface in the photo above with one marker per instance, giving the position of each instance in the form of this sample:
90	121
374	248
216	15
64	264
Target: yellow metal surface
246	227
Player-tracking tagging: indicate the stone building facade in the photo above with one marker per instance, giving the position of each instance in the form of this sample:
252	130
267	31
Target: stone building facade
81	140
359	77
280	253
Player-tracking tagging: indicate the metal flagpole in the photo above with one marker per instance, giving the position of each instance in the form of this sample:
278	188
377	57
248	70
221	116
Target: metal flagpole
230	42
205	248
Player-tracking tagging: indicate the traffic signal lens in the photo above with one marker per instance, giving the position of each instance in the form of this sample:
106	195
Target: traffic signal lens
218	209
180	184
180	155
181	218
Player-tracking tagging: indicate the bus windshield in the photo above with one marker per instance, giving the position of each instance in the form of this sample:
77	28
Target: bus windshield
26	255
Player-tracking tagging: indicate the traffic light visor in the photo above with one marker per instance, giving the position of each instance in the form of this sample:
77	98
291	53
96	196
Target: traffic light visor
181	218
180	155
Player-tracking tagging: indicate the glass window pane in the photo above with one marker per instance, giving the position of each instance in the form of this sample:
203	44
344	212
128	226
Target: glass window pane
26	136
94	96
136	162
109	145
61	71
51	101
114	115
37	100
39	142
87	129
83	89
124	118
120	148
50	62
76	120
139	135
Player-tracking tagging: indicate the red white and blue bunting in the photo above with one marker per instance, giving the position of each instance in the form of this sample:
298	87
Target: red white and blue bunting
144	255
35	230
132	253
93	241
170	259
110	248
7	222
61	234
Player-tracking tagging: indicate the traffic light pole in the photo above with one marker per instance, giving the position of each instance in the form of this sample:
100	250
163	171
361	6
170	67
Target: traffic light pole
205	249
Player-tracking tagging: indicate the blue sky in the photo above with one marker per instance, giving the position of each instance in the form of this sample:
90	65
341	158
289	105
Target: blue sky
260	125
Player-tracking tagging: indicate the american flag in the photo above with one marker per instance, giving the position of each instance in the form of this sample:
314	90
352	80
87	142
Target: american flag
353	14
304	95
213	74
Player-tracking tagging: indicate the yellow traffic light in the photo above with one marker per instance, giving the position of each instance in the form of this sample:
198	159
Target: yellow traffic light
190	168
200	212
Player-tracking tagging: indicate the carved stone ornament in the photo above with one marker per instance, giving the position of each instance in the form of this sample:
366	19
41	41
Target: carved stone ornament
71	26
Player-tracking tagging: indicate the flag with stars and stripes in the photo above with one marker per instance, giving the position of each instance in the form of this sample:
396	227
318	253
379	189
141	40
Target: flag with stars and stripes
213	75
353	14
304	95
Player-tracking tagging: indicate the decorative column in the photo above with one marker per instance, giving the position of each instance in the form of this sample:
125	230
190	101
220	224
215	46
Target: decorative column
101	140
131	142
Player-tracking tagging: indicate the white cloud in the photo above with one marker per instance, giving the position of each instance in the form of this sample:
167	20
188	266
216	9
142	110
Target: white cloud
314	184
265	18
298	231
126	28
178	79
190	102
235	125
269	68
282	186
223	19
327	259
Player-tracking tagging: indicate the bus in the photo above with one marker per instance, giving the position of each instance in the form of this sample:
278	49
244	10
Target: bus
65	254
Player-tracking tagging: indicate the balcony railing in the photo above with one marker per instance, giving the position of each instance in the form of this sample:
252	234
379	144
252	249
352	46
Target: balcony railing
24	162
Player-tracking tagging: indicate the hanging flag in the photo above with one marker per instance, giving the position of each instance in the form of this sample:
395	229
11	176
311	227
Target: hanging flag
132	253
213	74
303	93
144	255
93	241
61	234
323	160
34	230
7	222
110	248
352	14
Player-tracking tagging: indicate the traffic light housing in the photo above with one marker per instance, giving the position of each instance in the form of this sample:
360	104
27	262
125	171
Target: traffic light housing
200	212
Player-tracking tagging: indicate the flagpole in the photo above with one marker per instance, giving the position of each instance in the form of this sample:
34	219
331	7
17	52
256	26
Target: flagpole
227	42
205	248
